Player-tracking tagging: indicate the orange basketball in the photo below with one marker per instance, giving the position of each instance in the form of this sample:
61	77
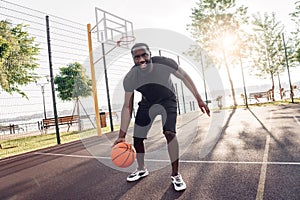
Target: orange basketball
123	154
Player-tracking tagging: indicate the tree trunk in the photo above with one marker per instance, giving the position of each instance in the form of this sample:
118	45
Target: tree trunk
273	86
280	87
78	113
229	78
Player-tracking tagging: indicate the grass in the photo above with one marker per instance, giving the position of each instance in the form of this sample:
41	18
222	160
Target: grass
271	103
17	146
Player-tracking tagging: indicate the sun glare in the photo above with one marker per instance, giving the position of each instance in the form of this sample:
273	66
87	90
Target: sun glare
228	41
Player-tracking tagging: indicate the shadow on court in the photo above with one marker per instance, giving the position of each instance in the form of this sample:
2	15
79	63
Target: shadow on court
285	141
231	170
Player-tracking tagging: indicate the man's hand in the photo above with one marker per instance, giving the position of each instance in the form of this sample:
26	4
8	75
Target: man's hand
121	137
119	140
204	108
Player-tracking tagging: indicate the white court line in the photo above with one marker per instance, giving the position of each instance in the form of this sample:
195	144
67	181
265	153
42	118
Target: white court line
263	172
73	156
181	161
297	120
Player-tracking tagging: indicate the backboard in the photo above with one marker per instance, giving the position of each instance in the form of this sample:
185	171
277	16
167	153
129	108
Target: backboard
110	28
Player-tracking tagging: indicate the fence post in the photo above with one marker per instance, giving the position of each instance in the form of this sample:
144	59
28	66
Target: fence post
51	80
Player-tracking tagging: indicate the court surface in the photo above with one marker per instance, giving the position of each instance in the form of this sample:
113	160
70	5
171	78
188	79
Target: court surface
236	154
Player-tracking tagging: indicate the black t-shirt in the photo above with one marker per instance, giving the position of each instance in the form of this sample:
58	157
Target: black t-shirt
154	82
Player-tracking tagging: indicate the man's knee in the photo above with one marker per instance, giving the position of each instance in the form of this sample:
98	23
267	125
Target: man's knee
138	143
170	135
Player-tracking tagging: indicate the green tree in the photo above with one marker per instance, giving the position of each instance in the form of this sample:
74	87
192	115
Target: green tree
217	26
268	51
17	57
296	19
72	83
297	56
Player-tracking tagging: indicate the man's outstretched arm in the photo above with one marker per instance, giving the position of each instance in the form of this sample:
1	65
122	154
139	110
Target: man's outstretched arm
181	74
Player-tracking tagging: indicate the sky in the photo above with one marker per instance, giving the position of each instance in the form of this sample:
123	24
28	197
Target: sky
164	14
169	14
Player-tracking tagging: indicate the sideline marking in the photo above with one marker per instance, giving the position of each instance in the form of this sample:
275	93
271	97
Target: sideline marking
263	172
66	155
297	120
181	161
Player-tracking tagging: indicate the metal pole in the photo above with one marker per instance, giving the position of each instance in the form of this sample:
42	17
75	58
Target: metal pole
43	94
204	82
183	97
42	85
288	69
245	92
107	88
52	81
181	88
94	87
178	105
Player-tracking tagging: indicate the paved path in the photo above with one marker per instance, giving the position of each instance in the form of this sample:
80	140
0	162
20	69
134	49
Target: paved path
235	154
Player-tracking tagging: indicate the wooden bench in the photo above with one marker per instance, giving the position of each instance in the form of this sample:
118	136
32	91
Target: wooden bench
12	128
65	120
258	95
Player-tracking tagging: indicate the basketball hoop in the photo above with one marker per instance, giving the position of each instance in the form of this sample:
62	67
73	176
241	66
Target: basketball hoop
125	40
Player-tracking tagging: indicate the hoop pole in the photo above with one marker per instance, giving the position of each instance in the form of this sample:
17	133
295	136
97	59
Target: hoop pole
105	54
94	87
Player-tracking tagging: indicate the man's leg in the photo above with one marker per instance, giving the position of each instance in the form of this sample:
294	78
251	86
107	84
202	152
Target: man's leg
169	118
141	128
141	171
169	126
143	122
173	149
140	150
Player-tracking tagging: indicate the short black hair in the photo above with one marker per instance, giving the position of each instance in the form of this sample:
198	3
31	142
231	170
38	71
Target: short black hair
137	45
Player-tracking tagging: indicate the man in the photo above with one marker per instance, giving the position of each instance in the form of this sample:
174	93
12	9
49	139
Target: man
151	77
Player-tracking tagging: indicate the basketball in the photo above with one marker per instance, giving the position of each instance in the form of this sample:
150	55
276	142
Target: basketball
123	154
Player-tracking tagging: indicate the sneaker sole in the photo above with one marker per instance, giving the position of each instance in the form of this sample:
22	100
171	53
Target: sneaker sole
139	177
183	187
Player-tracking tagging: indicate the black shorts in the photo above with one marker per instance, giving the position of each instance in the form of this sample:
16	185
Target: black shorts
147	112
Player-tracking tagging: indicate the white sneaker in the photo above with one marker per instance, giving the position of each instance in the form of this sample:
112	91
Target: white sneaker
137	174
178	183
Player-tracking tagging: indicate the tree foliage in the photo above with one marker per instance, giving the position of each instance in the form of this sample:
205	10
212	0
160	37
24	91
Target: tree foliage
296	19
212	22
72	82
268	51
17	57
